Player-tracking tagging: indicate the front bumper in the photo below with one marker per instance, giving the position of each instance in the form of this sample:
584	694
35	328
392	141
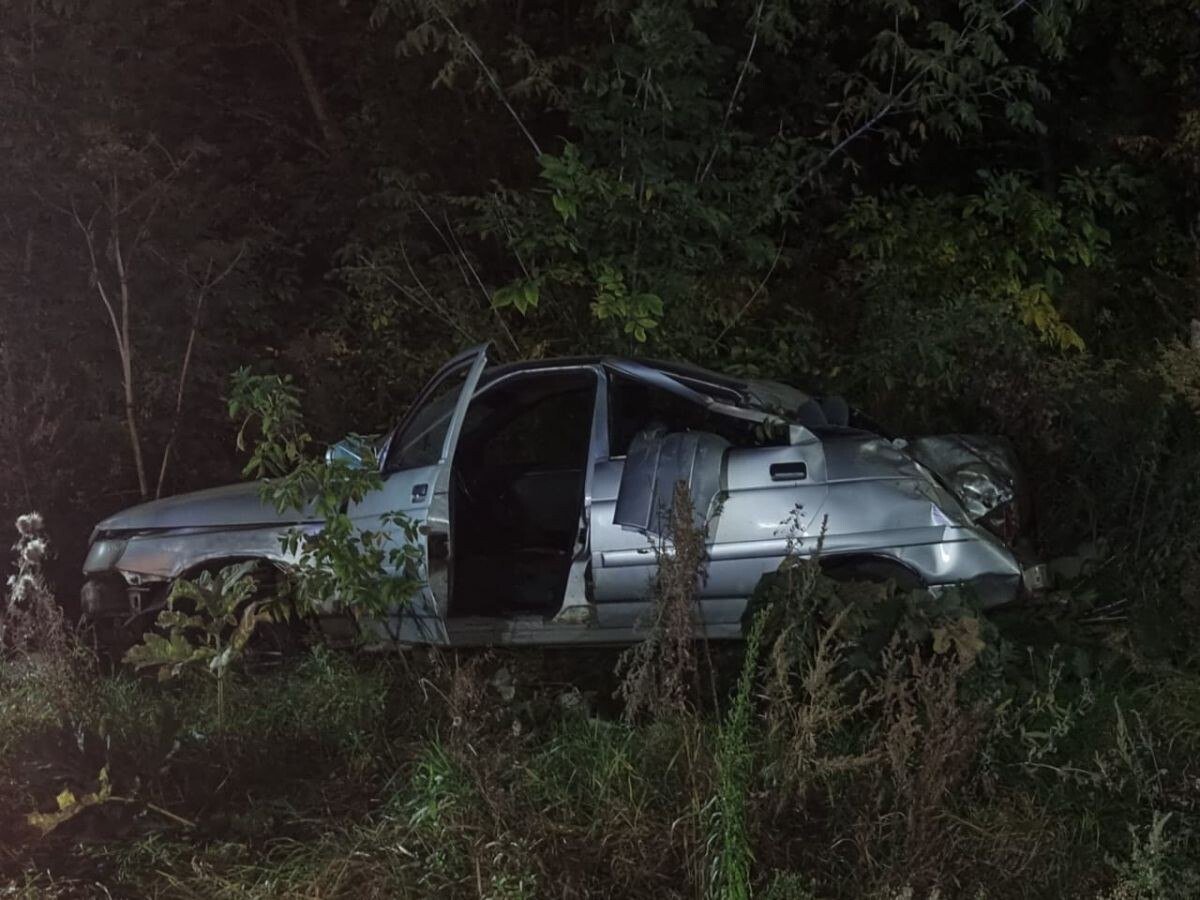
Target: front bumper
109	599
103	598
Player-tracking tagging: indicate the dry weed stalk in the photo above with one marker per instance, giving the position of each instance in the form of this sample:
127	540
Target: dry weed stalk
32	619
927	739
809	691
460	684
810	700
660	675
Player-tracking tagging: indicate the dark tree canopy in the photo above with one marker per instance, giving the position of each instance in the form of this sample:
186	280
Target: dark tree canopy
974	216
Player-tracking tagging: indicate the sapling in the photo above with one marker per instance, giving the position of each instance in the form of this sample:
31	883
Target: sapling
213	635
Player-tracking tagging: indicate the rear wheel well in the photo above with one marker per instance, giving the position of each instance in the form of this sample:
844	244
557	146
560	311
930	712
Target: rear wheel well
871	567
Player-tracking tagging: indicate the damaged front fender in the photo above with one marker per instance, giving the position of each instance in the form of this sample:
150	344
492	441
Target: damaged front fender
983	474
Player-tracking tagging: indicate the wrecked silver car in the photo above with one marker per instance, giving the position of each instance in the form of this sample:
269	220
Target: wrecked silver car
539	489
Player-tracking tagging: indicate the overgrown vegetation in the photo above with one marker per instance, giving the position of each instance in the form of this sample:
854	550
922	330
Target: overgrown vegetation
341	565
866	742
976	216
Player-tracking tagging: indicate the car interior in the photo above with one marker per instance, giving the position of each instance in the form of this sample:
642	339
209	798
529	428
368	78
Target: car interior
516	497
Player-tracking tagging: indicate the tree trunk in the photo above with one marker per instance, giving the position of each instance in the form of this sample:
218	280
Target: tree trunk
135	439
126	351
334	139
183	374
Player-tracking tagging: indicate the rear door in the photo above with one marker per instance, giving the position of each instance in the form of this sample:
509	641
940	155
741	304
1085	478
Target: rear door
660	432
745	482
416	471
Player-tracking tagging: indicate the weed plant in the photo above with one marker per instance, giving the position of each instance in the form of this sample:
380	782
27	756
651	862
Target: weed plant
873	743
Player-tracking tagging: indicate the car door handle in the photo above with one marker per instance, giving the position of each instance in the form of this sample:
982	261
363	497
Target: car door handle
789	471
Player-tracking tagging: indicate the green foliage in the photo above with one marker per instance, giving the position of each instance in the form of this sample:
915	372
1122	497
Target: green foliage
1155	868
35	694
438	789
664	202
591	768
788	886
943	74
334	780
363	570
628	217
270	403
223	612
208	623
957	271
732	858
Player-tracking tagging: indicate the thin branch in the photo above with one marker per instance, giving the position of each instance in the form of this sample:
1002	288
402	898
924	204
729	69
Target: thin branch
126	341
895	56
143	229
425	299
94	275
442	237
1012	9
208	283
112	317
166	813
330	129
754	294
466	42
460	257
511	240
569	321
155	185
487	300
737	88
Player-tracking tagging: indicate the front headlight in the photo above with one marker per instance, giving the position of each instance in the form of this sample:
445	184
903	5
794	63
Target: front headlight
104	556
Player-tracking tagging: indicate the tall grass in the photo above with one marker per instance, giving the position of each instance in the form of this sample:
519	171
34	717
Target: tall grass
944	764
729	840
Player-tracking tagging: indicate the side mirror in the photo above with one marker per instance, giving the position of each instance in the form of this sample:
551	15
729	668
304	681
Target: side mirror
355	450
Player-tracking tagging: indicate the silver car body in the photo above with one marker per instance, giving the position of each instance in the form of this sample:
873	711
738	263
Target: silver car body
850	493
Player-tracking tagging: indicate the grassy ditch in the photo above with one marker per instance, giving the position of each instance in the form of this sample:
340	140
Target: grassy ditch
862	742
950	763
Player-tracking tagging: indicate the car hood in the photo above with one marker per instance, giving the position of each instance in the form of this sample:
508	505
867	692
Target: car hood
234	505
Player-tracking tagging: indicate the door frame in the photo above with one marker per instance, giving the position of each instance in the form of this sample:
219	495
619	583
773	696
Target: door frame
575	596
422	620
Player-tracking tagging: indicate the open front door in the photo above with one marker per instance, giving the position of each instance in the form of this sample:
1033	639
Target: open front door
416	471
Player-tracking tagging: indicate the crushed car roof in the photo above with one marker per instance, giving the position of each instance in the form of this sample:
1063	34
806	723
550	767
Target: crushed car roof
758	393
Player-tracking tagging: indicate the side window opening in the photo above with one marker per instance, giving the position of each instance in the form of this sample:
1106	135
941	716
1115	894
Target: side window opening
423	437
537	420
635	406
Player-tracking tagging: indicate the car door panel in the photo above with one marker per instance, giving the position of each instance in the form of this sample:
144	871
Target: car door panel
761	506
421	493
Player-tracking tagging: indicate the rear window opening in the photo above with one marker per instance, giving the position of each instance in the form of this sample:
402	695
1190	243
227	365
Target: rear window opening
635	407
